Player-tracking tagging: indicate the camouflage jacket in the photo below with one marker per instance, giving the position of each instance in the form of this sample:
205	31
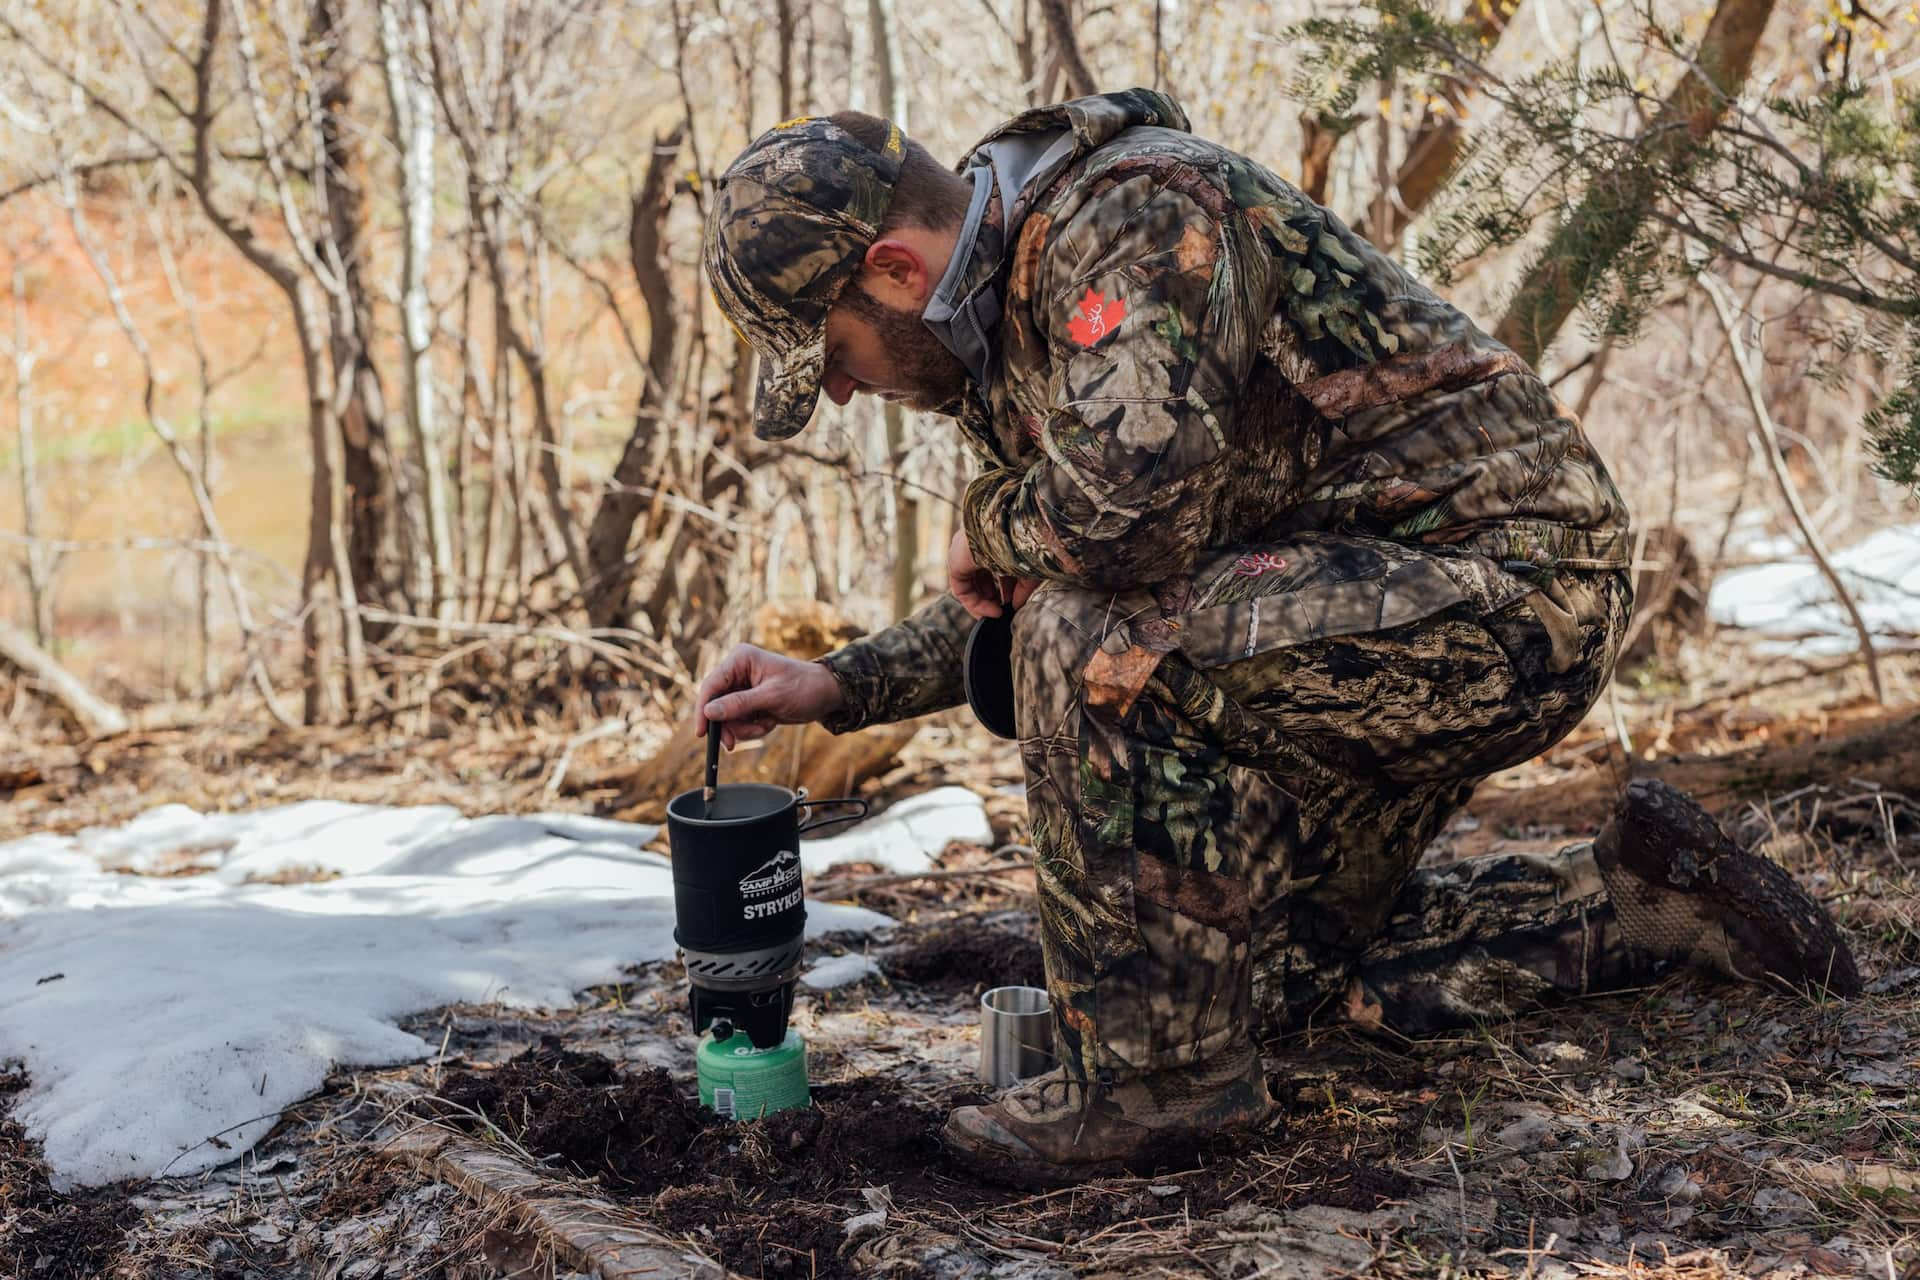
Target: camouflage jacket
1192	356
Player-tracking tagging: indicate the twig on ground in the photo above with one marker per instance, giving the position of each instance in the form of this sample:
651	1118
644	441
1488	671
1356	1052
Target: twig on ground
558	775
860	884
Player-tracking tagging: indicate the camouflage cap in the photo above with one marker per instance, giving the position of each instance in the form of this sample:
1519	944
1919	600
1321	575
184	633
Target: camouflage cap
788	225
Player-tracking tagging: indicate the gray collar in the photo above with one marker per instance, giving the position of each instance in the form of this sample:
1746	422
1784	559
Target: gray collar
964	310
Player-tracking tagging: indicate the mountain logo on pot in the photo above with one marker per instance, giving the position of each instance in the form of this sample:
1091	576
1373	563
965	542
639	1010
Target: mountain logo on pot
773	875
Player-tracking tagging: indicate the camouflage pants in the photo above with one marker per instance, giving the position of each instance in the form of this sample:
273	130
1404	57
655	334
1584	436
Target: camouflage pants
1230	785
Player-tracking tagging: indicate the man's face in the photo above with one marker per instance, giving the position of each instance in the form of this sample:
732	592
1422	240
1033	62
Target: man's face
876	342
876	349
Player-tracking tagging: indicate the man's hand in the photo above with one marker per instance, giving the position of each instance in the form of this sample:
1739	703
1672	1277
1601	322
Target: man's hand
979	592
752	690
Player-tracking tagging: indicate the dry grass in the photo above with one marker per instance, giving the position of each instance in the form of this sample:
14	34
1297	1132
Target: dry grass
1686	1131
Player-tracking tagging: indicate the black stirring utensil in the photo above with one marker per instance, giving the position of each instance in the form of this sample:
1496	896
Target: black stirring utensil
712	786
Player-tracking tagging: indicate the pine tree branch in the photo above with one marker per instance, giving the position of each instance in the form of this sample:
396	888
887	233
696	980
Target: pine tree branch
1609	216
1806	280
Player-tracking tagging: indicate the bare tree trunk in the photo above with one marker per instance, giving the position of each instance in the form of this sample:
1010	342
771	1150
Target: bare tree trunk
410	97
1026	54
1159	43
610	571
1319	136
1769	445
1066	48
34	555
1436	143
807	62
906	507
203	412
368	469
528	348
1613	209
784	22
326	517
1383	194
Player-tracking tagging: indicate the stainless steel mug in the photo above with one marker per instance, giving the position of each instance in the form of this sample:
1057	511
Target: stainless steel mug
1016	1035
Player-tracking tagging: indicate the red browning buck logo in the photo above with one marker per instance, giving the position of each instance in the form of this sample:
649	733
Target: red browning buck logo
1252	566
1096	317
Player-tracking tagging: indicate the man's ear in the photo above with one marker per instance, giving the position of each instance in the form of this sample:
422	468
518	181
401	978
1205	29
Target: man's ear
896	274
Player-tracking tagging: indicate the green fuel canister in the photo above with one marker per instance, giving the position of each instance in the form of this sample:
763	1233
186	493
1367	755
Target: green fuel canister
744	1083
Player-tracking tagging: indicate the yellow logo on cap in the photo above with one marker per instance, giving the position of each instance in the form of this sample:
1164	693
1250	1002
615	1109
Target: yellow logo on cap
724	313
797	120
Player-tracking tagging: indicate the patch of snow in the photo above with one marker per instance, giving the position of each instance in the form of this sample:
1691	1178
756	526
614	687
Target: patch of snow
839	971
1790	605
191	1010
908	836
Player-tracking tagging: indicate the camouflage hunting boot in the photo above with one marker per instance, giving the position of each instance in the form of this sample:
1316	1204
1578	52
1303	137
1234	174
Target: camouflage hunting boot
1051	1131
1683	891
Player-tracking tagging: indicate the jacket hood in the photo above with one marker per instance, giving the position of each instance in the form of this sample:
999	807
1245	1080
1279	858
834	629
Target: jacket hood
1089	123
1093	121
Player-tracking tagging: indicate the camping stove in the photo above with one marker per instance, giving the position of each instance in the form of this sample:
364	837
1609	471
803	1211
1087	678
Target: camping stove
739	914
739	906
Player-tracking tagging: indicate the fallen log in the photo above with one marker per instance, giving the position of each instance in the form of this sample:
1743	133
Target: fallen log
96	716
1838	1174
794	756
588	1233
1884	751
797	756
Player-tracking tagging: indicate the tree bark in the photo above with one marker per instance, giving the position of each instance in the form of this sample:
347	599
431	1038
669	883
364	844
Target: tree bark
784	23
1436	143
410	97
1319	137
906	507
1614	207
1066	48
35	556
367	464
610	570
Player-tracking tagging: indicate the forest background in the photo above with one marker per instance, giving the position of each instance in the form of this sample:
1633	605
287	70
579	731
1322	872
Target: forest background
359	368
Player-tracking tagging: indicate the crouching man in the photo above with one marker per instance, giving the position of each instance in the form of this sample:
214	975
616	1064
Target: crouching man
1298	555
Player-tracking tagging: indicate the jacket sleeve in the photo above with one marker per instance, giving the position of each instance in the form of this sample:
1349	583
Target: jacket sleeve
912	668
1149	306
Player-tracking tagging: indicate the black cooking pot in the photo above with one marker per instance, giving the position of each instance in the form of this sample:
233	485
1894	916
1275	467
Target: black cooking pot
738	903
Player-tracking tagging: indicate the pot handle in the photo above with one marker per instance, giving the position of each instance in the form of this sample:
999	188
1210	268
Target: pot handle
859	811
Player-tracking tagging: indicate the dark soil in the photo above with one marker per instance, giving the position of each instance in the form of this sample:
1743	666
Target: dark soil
46	1235
967	958
771	1197
633	1131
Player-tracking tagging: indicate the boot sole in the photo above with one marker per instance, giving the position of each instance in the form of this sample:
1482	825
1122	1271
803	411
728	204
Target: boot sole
1690	891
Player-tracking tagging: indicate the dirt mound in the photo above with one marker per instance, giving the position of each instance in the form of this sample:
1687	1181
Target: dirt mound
42	1233
633	1131
766	1197
776	1193
963	958
771	1197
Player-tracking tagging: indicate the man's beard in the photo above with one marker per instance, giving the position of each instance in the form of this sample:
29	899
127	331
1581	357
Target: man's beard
926	376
